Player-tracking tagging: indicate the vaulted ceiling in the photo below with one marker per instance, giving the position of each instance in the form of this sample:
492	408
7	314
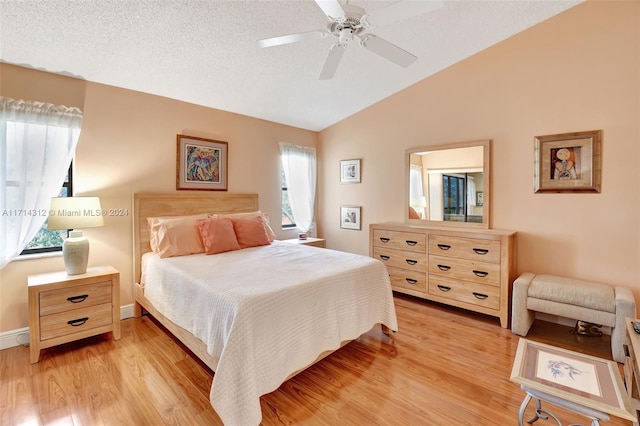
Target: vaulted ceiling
205	51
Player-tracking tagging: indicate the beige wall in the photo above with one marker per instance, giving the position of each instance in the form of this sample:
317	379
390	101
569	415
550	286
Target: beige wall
577	71
127	145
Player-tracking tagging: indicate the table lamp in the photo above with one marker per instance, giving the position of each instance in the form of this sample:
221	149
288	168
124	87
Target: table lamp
73	213
420	203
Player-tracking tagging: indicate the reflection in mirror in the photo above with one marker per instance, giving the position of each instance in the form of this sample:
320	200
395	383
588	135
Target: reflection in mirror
449	184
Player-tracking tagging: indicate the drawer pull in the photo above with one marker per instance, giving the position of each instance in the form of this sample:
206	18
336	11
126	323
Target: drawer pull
411	262
626	350
481	251
444	246
77	299
444	288
480	273
384	240
385	257
411	281
78	322
444	267
410	242
480	295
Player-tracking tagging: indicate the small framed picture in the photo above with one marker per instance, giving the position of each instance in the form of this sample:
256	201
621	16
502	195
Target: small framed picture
201	164
350	171
479	199
568	162
350	217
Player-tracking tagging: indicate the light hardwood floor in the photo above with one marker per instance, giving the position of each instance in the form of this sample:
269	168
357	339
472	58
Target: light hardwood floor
444	367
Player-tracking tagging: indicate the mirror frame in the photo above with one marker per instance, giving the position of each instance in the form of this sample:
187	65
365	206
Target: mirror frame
486	166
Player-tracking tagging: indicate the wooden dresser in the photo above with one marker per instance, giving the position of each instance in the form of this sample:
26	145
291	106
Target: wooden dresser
470	268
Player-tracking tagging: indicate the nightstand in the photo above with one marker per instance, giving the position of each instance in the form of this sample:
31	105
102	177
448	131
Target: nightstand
316	242
64	308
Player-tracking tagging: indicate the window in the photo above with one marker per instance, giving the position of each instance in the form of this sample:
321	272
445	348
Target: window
287	214
299	182
48	240
454	195
37	143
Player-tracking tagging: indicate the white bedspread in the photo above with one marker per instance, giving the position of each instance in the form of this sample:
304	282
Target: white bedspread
266	312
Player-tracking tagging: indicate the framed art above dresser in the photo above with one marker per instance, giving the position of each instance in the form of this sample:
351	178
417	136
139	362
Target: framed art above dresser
470	268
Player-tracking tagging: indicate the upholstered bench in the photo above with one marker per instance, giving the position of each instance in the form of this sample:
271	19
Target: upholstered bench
572	298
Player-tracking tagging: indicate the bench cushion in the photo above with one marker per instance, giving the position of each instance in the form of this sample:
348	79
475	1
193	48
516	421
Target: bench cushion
590	295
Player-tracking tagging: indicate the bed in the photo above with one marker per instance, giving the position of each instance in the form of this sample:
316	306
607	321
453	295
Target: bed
259	315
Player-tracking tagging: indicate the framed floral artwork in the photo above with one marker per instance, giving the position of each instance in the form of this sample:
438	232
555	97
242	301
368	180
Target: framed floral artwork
201	164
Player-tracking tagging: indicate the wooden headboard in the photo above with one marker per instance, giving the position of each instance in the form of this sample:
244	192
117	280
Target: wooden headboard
176	204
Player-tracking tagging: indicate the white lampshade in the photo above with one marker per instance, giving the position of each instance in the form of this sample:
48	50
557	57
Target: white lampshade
74	213
420	202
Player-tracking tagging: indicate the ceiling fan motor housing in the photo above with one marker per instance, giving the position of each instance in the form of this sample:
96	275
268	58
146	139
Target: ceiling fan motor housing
347	26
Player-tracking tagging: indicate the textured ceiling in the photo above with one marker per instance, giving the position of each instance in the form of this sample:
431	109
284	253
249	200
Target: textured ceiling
205	52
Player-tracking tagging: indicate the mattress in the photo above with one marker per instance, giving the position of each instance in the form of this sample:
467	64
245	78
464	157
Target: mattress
267	312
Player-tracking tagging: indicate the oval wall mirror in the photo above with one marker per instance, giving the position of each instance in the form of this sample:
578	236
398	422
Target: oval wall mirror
449	184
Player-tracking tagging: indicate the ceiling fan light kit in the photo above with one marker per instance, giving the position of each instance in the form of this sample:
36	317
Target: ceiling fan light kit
348	22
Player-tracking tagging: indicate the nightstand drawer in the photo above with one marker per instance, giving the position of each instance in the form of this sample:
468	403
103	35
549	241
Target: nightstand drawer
75	297
67	323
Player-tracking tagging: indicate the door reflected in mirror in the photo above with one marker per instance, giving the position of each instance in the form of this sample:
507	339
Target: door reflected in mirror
449	184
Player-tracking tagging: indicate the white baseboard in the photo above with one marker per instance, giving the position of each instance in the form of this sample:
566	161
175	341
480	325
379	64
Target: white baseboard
13	338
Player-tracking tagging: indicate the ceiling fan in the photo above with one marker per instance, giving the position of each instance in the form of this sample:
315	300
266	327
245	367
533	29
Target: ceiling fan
349	22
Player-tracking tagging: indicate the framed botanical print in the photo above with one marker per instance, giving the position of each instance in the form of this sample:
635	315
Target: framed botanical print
350	171
350	217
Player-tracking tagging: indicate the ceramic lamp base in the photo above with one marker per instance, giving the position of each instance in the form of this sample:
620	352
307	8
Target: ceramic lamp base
75	251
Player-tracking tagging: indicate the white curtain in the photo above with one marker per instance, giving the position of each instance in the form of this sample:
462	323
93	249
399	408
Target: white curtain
299	165
37	146
416	191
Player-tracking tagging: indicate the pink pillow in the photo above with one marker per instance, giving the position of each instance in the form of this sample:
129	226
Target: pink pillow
250	232
265	219
217	235
175	236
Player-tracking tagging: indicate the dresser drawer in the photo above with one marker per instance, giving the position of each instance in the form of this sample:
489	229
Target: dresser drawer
402	278
464	291
400	240
468	270
466	248
401	259
77	320
75	297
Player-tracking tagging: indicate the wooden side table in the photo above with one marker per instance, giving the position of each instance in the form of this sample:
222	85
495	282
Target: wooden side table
632	367
581	383
316	242
64	308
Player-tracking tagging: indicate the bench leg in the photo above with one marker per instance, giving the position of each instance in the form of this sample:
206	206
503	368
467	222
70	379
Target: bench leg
521	317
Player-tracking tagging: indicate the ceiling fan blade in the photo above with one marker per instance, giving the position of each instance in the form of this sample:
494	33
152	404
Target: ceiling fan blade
291	38
387	50
331	63
331	8
401	10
